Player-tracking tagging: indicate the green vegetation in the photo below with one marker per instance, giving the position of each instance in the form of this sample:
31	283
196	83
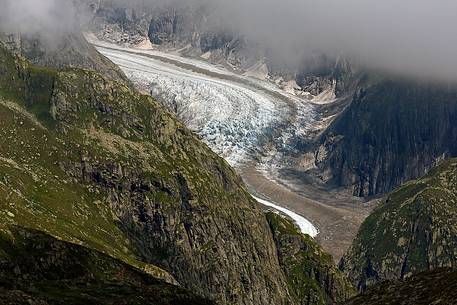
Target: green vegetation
413	230
438	287
38	269
88	161
311	274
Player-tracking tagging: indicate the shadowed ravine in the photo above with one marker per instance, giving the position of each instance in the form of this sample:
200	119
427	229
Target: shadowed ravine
252	124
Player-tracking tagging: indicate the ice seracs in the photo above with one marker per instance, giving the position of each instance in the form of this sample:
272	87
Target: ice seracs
241	118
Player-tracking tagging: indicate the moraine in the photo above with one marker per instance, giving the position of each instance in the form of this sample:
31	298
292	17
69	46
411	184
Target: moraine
242	119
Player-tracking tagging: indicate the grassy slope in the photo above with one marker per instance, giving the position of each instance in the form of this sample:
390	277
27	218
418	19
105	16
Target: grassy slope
64	136
437	287
414	230
38	269
34	190
311	273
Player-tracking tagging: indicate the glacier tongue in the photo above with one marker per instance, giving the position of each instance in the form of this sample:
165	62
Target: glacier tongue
233	119
240	118
303	224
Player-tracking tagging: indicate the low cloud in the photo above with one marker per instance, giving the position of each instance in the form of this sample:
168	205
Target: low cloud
46	17
416	37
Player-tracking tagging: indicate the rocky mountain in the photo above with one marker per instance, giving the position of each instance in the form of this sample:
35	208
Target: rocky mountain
434	287
413	230
381	139
191	28
70	50
394	130
90	162
310	272
36	268
378	142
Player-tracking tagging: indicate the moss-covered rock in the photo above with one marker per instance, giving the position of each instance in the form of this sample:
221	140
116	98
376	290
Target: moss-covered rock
36	268
88	161
311	275
413	230
438	287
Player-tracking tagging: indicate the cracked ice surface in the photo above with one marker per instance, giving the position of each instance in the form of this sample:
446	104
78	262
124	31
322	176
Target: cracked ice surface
236	116
233	119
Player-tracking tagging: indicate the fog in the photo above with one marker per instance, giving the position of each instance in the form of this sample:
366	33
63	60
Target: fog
45	17
408	36
417	37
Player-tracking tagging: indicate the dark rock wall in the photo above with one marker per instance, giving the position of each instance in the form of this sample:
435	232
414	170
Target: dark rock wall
413	230
392	132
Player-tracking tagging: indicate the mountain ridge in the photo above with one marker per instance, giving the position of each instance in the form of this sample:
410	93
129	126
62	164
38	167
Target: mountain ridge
109	168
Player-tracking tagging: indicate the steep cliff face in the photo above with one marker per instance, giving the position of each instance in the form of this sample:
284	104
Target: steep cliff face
393	131
184	26
90	161
311	275
436	287
70	50
413	230
194	30
36	268
321	73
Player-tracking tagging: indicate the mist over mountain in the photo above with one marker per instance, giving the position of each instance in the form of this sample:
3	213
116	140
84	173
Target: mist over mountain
228	152
51	19
408	37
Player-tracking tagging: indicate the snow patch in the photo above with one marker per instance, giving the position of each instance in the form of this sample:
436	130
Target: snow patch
206	56
305	226
291	87
145	45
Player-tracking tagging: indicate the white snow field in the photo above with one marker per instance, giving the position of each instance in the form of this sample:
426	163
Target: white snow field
240	118
306	227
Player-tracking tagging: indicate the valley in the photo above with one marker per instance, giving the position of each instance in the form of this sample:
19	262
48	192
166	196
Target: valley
206	152
255	126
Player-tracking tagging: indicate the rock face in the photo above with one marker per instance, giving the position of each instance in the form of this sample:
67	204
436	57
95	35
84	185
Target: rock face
174	203
437	287
321	73
190	27
393	131
413	230
36	268
89	161
311	275
71	50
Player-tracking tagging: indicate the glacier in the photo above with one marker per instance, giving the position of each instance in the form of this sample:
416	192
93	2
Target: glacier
241	118
305	226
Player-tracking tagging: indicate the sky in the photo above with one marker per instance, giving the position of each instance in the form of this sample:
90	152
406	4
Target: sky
417	37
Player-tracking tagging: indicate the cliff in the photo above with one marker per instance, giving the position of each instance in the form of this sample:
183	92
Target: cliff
90	162
393	131
433	287
413	230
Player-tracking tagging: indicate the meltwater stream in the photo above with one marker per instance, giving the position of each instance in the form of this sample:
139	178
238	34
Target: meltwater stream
238	117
